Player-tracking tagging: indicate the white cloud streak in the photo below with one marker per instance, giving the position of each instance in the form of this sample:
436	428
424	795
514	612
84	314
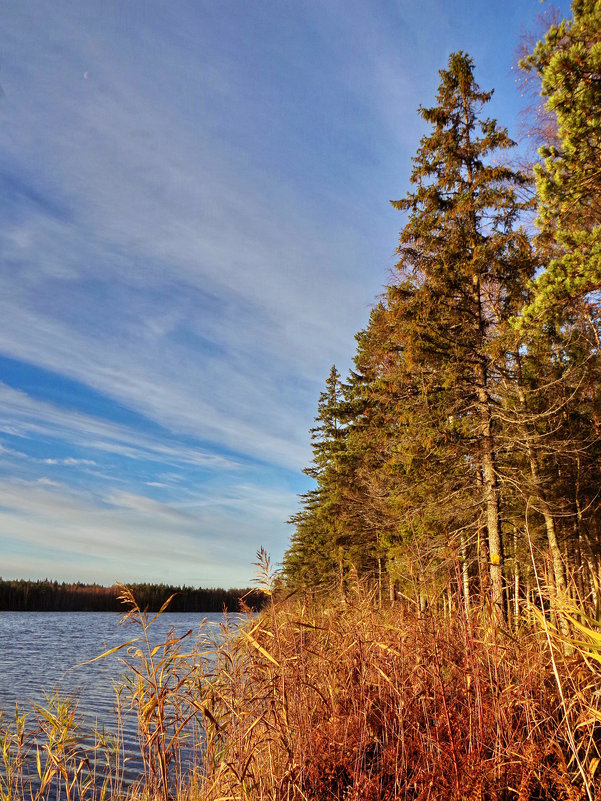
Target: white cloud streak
124	536
26	417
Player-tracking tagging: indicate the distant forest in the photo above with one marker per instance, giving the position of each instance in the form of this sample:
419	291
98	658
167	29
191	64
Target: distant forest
50	596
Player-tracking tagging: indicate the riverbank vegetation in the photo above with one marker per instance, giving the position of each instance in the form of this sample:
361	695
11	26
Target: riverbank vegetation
313	701
435	632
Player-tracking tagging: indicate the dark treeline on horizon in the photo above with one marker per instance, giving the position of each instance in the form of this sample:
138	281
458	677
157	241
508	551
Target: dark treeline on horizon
20	595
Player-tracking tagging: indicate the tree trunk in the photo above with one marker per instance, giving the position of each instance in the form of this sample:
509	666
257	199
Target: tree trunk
487	458
465	577
491	497
543	505
516	582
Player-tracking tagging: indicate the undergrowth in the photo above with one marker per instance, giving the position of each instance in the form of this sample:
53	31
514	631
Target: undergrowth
342	701
357	703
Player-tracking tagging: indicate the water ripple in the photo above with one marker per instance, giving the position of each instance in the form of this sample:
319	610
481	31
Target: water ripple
43	652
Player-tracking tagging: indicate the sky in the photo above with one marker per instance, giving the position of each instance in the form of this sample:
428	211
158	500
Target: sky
195	222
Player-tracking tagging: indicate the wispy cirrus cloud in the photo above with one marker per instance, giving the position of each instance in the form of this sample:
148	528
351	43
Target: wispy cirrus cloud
67	462
123	535
70	462
25	417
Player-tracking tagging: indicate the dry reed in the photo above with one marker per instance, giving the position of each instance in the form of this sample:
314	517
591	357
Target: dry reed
357	703
340	701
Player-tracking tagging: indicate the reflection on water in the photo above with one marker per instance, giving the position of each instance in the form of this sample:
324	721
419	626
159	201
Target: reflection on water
43	651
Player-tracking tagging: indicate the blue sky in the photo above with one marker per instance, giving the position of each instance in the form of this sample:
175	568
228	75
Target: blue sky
195	223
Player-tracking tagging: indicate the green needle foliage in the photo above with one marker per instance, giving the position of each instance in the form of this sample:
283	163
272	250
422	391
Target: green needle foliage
568	178
311	558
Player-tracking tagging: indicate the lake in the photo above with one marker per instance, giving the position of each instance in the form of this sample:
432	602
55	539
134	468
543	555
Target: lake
41	649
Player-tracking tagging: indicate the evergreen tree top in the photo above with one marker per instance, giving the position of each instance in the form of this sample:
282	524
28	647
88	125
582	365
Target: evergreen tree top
452	171
464	214
568	177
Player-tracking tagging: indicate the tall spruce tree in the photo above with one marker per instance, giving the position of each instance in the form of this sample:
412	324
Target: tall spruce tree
371	486
462	271
411	482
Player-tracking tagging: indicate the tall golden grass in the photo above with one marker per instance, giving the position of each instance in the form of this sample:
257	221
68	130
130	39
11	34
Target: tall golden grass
340	701
354	703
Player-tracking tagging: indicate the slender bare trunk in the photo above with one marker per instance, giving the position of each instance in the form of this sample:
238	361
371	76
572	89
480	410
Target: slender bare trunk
465	576
491	497
554	549
539	491
482	552
516	581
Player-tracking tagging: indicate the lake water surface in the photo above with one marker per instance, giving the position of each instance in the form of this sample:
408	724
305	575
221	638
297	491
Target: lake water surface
40	649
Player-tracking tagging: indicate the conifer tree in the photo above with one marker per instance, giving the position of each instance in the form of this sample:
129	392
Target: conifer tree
463	266
372	519
314	554
568	177
410	483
